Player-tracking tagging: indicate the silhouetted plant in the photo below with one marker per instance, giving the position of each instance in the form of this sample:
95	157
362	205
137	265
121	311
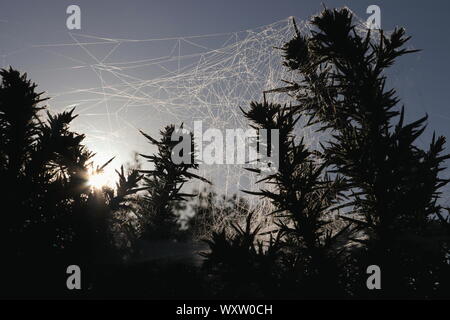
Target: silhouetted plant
53	218
303	196
242	265
163	185
393	185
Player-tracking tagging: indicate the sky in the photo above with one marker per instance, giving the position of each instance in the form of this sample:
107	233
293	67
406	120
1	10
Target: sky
34	38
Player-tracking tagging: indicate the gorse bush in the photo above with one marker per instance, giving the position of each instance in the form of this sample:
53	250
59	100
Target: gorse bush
370	173
51	213
393	184
51	216
243	266
163	185
303	199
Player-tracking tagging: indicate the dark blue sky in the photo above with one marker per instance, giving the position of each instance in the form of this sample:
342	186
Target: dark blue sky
422	79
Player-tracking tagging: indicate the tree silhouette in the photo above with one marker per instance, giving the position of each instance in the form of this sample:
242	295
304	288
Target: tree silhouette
393	185
368	196
163	185
243	266
303	199
52	217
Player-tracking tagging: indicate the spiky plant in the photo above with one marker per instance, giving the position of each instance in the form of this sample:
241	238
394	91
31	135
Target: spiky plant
242	265
163	184
303	196
393	184
50	214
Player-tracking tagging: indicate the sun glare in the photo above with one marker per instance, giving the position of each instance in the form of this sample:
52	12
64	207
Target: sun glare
99	180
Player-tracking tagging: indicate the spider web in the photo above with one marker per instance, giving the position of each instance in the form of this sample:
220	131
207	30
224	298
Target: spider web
120	86
149	83
129	85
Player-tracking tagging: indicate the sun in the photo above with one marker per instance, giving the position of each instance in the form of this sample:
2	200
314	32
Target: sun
101	173
96	181
100	180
